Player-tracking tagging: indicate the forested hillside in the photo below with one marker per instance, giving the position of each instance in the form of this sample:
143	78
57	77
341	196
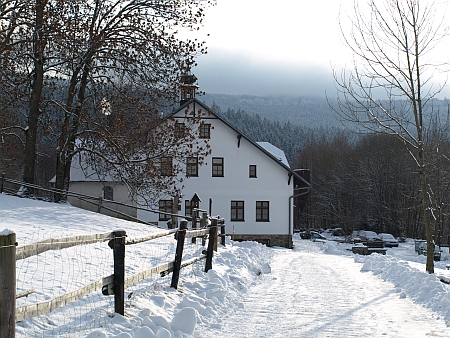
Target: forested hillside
311	112
289	137
359	181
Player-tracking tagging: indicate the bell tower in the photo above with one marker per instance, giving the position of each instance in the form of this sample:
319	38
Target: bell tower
188	87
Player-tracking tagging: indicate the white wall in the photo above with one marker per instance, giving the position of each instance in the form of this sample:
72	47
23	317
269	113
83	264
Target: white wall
270	185
95	189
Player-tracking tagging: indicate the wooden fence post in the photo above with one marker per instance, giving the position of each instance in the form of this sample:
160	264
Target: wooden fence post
118	246
194	225
7	284
203	222
210	250
214	223
222	232
180	236
99	205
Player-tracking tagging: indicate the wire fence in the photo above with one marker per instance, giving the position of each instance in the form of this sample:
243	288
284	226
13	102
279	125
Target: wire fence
68	285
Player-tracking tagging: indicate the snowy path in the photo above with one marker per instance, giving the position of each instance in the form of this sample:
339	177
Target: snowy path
319	295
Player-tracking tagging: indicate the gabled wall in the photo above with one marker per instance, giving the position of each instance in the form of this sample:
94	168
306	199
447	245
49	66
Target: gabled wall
270	185
95	189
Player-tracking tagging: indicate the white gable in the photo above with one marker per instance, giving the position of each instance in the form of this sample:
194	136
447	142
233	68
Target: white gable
249	184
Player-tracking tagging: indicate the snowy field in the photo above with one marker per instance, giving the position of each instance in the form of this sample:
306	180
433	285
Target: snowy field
315	290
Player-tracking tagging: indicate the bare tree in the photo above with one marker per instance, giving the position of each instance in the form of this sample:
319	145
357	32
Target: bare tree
63	59
146	154
128	47
30	59
392	41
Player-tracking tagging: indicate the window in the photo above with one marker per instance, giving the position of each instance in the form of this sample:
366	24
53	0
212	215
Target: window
262	211
165	206
237	210
166	167
205	130
192	167
108	193
189	206
180	129
252	171
217	166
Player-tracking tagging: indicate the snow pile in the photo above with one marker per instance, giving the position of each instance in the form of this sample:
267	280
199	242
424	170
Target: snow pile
405	269
203	301
202	298
160	311
409	281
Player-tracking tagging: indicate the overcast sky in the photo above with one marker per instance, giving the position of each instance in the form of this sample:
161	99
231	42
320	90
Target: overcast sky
262	47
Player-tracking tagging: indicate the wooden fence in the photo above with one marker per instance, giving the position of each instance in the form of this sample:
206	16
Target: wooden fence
115	284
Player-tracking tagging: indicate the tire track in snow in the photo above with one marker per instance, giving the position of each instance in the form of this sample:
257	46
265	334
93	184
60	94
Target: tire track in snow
311	294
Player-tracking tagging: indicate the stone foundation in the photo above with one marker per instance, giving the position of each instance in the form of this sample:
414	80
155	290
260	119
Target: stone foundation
269	240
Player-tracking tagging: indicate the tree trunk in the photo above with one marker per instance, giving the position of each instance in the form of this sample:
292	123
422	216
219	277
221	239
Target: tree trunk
426	212
68	134
36	93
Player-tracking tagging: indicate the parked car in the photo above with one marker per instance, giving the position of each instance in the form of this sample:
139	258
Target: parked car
388	240
423	251
366	235
316	237
370	239
305	234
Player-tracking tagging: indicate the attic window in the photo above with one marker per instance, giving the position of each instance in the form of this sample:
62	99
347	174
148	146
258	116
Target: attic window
180	129
252	171
205	130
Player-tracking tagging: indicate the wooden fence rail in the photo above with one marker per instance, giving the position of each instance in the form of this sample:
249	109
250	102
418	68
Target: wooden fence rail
60	243
94	200
115	284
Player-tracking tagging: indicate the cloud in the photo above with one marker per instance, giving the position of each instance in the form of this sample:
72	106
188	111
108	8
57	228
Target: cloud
225	72
228	73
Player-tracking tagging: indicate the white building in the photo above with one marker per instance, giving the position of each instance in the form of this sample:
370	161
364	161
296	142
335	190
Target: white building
248	184
99	194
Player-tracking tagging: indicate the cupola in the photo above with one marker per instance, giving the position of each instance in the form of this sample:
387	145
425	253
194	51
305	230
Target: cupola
188	87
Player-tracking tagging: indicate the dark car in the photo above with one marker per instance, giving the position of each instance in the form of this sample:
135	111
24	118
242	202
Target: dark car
423	251
370	239
305	235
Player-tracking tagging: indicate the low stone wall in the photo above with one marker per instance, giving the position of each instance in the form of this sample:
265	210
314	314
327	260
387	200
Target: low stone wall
269	240
364	250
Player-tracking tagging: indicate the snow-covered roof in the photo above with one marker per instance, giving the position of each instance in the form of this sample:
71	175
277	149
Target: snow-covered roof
277	152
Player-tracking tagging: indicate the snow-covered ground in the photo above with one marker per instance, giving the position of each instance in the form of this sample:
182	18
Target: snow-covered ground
315	290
